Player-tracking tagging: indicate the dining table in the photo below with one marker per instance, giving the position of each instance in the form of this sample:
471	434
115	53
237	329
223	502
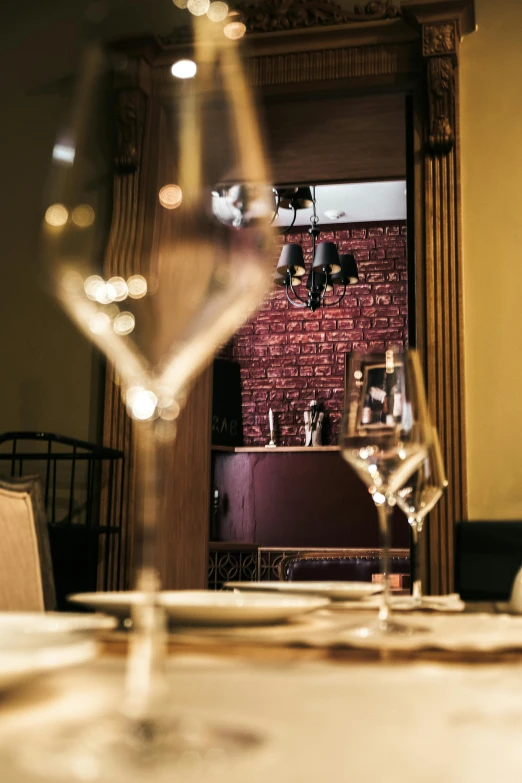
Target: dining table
321	709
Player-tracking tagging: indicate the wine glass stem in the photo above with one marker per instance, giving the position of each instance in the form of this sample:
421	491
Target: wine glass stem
384	511
144	680
417	583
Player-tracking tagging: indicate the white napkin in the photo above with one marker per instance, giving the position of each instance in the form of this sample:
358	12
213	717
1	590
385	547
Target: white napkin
405	603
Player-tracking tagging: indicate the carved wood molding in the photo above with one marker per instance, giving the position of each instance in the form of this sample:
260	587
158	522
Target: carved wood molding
441	97
439	47
333	64
268	16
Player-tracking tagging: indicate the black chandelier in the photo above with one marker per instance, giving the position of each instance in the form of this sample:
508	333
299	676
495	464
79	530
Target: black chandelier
329	268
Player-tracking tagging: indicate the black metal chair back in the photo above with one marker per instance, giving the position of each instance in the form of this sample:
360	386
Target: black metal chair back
83	496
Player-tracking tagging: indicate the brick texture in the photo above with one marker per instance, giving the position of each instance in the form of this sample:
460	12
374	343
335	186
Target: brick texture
289	356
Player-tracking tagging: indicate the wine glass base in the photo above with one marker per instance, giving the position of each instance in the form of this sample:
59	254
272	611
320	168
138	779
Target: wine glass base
385	629
116	750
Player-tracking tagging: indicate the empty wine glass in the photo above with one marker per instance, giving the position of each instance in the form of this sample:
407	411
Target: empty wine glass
384	436
158	271
417	497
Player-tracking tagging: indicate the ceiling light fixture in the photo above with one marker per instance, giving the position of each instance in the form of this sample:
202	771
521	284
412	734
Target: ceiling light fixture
328	267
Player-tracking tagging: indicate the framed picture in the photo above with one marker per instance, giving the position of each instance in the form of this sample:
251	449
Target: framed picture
380	398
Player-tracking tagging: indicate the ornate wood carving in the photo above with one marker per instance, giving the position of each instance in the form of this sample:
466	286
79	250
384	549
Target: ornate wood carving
441	104
270	15
439	39
439	47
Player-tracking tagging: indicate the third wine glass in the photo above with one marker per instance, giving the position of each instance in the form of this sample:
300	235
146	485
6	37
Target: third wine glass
417	497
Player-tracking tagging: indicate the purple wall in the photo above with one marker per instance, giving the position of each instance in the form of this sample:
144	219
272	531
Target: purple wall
302	499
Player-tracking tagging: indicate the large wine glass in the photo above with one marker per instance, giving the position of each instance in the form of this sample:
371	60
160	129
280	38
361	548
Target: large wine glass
385	435
158	273
417	497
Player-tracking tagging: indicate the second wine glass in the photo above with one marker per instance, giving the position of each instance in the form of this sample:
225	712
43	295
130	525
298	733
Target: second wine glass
385	435
421	492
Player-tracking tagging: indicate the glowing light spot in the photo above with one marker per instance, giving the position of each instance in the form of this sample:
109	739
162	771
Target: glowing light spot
137	286
372	470
124	323
378	498
217	11
105	293
91	285
57	215
357	375
99	322
198	7
180	3
120	286
142	403
170	196
184	69
83	216
63	153
72	282
234	30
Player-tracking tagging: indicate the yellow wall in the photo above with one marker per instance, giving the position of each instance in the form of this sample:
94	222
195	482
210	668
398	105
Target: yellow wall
491	132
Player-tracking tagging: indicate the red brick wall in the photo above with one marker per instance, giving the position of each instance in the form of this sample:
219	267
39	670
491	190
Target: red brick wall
289	356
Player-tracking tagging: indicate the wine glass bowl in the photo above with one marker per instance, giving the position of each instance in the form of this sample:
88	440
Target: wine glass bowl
418	496
384	437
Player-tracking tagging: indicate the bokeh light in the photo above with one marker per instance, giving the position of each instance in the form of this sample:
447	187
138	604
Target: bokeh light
180	3
184	69
217	11
57	215
120	287
124	323
234	30
141	402
91	285
170	196
198	7
137	286
105	293
99	322
83	216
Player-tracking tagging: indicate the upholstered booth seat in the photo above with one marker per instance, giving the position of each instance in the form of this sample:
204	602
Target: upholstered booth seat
357	565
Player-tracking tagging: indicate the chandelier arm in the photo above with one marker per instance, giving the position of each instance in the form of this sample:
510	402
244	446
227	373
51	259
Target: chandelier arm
287	229
331	304
276	213
302	302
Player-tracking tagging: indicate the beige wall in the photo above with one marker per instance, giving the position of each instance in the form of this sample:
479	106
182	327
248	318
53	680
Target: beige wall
491	123
49	375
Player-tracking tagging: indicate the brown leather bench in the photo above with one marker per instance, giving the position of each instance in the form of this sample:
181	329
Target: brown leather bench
358	565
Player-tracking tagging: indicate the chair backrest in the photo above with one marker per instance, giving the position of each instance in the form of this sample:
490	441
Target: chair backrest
26	573
357	565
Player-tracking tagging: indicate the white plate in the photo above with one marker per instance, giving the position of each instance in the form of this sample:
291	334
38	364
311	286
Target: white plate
54	622
335	591
208	607
24	656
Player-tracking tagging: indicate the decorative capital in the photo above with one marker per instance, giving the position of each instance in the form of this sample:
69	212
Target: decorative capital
439	39
441	104
130	120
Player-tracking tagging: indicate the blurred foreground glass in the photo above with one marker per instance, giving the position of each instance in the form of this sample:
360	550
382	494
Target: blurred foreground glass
384	436
418	496
157	296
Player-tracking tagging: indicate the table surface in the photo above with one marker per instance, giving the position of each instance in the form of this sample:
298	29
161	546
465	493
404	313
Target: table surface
324	714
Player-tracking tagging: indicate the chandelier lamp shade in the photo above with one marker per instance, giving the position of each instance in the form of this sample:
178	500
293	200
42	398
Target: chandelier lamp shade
329	268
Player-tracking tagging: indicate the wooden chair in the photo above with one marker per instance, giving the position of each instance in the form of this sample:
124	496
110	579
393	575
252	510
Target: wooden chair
26	573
